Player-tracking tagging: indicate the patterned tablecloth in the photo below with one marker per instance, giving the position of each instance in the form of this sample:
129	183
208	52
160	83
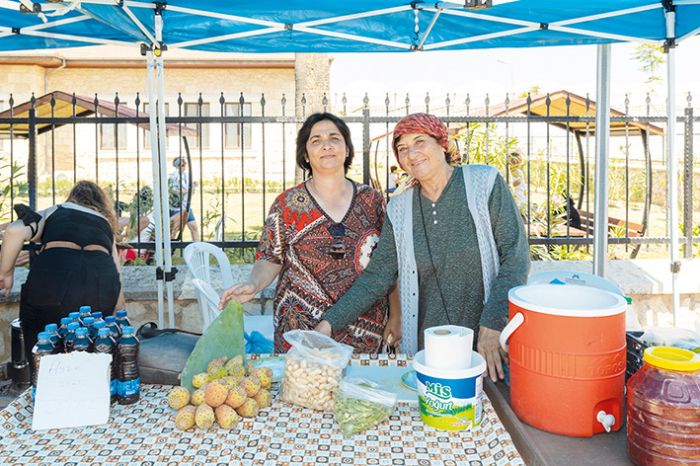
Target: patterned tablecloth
145	433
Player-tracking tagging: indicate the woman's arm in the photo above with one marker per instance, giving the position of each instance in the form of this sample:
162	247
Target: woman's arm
514	259
263	273
373	284
392	331
121	302
13	240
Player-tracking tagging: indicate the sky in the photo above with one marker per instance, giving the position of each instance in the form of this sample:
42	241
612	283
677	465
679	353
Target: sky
497	71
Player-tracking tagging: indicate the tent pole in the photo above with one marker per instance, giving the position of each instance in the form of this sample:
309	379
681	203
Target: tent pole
671	156
157	210
169	272
602	144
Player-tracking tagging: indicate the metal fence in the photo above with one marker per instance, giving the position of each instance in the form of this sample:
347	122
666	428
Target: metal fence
242	156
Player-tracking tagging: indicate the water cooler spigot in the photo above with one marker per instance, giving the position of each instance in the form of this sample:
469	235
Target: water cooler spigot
607	420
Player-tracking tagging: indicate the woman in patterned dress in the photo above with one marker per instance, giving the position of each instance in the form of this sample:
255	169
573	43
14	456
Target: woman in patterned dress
318	237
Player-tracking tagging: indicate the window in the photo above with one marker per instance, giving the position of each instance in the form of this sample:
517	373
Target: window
232	131
107	136
192	110
146	133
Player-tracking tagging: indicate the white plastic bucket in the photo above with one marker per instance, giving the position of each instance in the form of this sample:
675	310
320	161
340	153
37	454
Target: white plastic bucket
450	399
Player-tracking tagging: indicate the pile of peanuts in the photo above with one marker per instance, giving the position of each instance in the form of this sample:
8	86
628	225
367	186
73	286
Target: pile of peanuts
310	384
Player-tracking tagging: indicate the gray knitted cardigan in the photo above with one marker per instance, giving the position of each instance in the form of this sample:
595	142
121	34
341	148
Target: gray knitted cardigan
478	182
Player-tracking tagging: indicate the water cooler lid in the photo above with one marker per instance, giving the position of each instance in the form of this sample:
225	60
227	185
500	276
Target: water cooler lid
562	277
675	359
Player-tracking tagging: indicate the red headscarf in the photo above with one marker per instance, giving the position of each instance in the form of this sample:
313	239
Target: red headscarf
421	123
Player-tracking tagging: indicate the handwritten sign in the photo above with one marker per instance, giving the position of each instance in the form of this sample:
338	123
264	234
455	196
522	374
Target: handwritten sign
72	390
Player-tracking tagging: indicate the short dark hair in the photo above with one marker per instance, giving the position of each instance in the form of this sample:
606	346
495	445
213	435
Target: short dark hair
305	132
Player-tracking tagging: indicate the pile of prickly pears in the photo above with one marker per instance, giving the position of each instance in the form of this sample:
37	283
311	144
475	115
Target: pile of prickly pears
224	394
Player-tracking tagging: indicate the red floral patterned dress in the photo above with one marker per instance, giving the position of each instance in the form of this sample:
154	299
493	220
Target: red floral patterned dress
320	261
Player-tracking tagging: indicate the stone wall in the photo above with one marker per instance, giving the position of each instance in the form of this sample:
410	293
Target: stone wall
647	281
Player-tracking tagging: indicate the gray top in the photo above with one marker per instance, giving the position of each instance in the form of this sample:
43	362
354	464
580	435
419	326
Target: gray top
445	229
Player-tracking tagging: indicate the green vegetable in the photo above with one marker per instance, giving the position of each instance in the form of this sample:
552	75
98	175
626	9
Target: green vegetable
357	415
223	337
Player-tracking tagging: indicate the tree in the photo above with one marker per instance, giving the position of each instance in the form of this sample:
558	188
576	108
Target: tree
650	58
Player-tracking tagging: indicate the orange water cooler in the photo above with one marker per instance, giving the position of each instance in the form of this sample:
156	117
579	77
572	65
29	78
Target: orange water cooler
566	345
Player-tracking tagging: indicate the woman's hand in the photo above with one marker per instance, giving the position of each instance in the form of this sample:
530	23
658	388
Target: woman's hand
241	292
6	281
324	327
392	331
490	348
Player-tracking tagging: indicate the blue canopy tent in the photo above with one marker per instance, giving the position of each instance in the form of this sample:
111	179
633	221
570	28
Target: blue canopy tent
362	26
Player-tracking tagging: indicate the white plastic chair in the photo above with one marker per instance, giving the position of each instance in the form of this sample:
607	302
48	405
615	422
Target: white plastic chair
208	300
197	257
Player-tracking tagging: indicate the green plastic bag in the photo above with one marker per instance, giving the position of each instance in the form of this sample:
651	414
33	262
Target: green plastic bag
223	337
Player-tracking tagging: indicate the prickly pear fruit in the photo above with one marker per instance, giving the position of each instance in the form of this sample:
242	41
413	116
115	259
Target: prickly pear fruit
178	397
215	394
200	379
235	368
184	418
204	416
264	374
251	385
263	398
230	381
216	364
248	409
197	397
236	397
226	416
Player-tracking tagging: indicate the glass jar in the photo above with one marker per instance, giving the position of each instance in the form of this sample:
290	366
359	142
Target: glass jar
663	408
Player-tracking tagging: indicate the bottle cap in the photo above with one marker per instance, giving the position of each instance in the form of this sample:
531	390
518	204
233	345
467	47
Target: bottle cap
96	315
99	324
121	313
51	327
74	315
73	326
43	336
81	331
675	359
110	319
88	321
87	309
66	320
103	332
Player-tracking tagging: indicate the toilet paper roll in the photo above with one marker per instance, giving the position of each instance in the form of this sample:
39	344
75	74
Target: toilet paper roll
448	347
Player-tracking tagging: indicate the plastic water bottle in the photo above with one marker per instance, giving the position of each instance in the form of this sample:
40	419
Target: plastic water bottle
105	345
115	330
41	349
69	341
52	330
128	386
122	319
63	330
85	312
88	323
82	342
74	316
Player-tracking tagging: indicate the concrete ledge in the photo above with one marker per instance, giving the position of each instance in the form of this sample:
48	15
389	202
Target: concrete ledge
634	277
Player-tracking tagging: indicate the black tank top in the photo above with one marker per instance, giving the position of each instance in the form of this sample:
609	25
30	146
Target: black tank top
81	228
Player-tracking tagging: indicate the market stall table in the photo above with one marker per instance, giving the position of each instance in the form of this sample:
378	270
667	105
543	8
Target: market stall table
281	434
540	448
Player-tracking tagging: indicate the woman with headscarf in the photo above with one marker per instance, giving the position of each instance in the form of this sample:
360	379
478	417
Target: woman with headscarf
454	239
318	238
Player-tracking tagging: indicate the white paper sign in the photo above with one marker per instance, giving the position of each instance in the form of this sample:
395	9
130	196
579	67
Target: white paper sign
72	390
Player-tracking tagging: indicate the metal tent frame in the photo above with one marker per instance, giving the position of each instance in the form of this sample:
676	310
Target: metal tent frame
363	26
